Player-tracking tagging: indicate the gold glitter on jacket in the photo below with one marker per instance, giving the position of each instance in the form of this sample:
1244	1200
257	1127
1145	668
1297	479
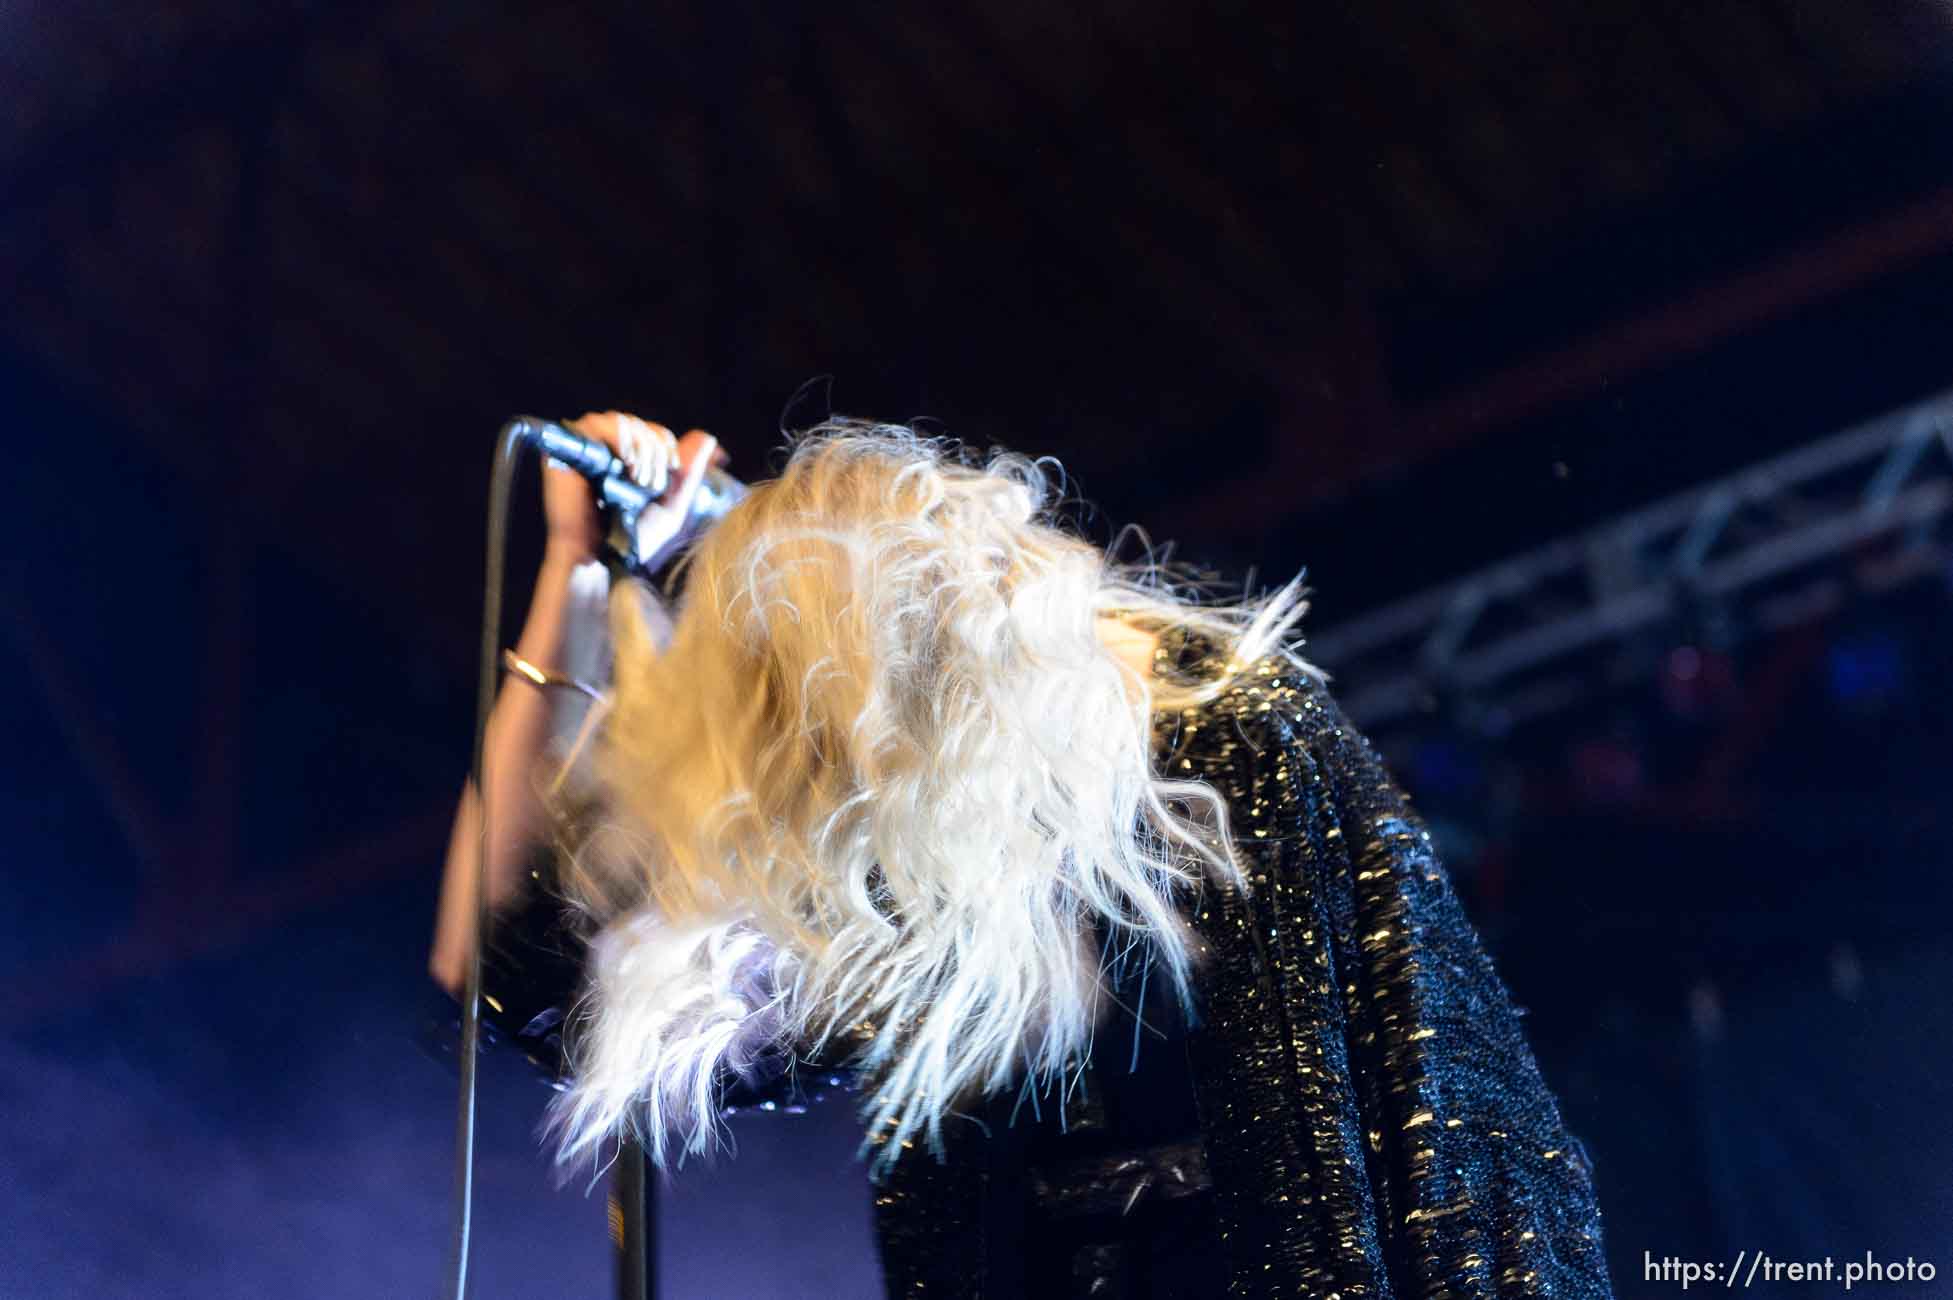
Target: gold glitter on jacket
1367	1120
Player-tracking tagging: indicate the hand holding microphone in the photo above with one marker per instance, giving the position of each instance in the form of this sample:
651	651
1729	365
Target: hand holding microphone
658	491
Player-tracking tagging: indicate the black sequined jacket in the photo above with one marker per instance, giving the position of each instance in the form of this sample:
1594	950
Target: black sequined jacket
1352	1112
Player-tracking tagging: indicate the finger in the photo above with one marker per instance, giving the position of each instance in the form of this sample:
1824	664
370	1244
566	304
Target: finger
685	492
720	457
600	425
634	449
673	459
661	454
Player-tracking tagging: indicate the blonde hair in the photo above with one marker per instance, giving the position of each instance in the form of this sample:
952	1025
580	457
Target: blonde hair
879	791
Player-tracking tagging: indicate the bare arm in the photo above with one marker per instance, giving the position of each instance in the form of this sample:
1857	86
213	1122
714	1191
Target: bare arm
519	726
518	729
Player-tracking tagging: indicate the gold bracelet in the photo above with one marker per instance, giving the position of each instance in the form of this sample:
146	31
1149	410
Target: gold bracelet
542	677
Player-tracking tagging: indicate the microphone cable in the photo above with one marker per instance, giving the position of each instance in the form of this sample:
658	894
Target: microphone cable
500	488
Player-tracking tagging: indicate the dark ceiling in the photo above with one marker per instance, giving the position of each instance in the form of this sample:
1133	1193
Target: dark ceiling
1256	273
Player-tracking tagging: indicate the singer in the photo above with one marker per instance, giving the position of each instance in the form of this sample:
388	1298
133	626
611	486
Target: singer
1152	978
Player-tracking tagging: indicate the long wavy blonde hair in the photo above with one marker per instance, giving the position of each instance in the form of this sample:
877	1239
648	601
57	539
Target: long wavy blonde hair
880	793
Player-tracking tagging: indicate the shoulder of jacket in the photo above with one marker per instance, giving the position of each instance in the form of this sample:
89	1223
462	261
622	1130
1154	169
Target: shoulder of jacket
1277	701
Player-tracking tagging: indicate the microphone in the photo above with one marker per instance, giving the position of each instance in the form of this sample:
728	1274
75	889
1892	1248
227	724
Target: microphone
592	458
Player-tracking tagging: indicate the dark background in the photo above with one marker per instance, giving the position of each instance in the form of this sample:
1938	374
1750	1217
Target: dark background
1390	290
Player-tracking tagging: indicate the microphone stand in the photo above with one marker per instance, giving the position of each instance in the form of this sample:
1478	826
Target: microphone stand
634	1224
632	1202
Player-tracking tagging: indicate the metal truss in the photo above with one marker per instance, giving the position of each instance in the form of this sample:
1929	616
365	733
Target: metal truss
1773	545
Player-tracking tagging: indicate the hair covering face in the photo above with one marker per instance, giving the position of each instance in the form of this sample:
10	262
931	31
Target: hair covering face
882	789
